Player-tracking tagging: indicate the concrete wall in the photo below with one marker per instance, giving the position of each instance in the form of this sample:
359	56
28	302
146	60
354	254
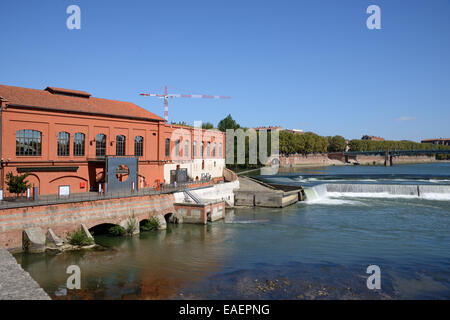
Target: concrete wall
379	160
68	217
221	191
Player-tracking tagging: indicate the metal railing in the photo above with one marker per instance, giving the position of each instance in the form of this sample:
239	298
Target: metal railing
19	202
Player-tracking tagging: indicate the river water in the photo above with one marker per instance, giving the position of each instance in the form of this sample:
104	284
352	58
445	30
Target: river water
394	217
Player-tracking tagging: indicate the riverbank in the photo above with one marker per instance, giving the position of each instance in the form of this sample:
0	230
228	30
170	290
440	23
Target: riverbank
16	283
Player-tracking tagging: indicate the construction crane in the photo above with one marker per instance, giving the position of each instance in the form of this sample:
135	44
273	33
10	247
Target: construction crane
166	97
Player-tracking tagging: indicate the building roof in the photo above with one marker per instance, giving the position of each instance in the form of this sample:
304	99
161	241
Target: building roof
57	99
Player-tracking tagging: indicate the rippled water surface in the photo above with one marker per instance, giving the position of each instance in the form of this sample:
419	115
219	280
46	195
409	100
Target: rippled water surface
313	250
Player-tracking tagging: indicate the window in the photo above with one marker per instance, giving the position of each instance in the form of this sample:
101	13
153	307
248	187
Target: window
220	150
100	145
63	144
28	143
120	145
167	147
208	150
177	148
186	148
194	148
78	144
203	148
214	149
138	146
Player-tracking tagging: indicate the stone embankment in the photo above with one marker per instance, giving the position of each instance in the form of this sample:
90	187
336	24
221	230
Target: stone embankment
16	283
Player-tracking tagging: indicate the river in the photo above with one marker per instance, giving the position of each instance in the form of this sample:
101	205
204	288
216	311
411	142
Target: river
318	249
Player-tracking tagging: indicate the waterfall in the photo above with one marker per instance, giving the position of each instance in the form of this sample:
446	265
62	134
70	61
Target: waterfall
326	190
393	189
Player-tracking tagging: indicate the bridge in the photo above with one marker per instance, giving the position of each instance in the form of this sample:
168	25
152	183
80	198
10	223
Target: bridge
389	154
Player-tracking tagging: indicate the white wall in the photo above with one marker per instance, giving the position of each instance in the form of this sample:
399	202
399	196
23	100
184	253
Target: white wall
220	191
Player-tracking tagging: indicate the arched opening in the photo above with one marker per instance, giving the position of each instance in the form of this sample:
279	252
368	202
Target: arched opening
101	229
168	217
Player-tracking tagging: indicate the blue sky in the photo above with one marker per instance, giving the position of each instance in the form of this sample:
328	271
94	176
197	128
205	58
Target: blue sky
310	65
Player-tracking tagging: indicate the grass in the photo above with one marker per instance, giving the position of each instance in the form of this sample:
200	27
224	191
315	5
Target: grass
79	238
117	231
152	224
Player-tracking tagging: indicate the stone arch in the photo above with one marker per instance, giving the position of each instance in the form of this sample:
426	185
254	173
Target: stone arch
34	180
101	228
63	177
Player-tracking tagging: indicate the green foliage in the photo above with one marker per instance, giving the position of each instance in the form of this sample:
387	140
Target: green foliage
117	231
228	123
152	224
79	238
132	225
302	143
17	184
207	125
336	144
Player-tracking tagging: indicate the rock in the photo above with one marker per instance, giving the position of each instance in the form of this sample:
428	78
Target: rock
33	240
162	222
53	241
86	231
176	218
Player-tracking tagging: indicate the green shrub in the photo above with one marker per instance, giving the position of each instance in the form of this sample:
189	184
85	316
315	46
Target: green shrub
152	224
117	231
132	225
79	238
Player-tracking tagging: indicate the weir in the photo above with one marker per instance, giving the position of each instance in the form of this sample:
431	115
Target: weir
439	192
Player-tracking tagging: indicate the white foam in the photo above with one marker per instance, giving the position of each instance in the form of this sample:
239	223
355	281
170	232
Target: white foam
370	195
436	196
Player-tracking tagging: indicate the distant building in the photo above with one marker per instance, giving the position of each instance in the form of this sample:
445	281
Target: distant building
269	129
372	138
296	131
438	141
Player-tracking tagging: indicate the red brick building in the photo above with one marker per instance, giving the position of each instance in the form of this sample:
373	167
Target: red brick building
372	138
62	137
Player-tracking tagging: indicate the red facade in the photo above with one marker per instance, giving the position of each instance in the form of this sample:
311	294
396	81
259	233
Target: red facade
61	137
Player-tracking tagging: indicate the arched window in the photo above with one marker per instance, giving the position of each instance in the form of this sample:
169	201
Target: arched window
186	148
220	150
78	144
194	148
120	145
138	146
202	151
63	144
208	149
177	147
100	145
214	149
28	143
167	147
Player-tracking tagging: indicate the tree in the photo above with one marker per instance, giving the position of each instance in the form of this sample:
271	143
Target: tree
337	144
228	123
17	184
207	125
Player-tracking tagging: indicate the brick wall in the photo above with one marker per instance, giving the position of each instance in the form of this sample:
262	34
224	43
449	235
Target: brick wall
63	218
